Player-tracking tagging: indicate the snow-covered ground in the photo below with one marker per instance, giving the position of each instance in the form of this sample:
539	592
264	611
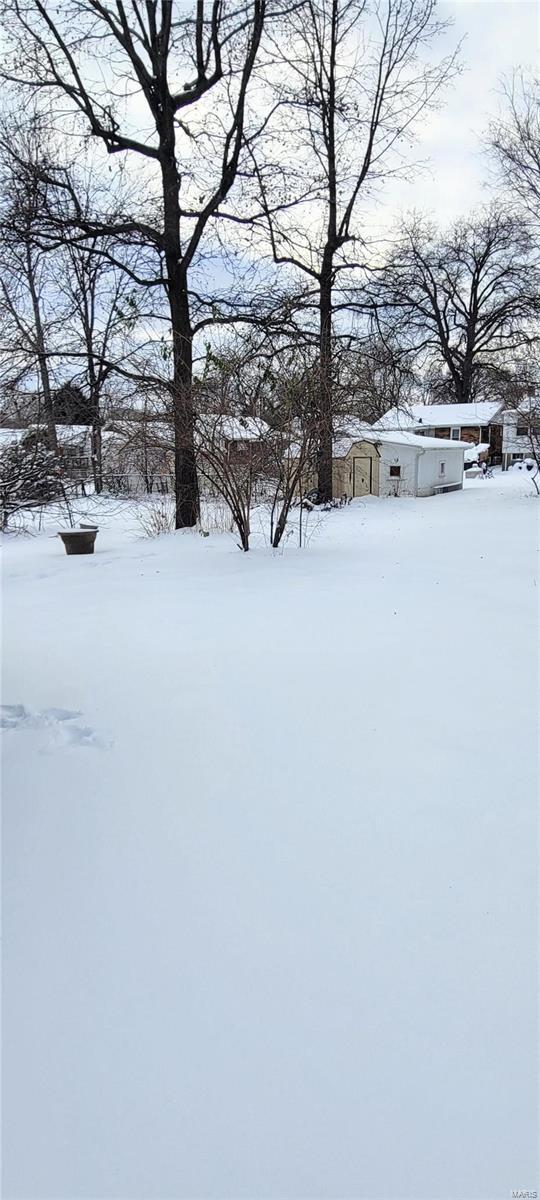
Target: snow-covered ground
270	858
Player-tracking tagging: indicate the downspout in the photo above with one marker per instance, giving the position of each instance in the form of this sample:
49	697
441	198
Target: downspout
378	452
418	456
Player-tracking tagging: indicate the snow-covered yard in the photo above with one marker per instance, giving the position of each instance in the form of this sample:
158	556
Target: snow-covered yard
270	859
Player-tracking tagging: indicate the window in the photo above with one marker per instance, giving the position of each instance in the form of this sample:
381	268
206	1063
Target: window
454	434
521	431
442	468
395	472
484	433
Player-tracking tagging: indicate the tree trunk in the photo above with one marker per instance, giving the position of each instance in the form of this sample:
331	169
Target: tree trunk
43	366
466	396
325	450
97	457
185	469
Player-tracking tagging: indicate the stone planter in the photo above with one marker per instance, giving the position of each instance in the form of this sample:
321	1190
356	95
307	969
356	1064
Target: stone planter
79	541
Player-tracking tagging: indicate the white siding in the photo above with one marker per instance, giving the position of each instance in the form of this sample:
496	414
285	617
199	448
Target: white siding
511	443
430	475
403	457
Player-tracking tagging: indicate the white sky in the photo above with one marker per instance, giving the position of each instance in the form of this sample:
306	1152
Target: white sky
499	35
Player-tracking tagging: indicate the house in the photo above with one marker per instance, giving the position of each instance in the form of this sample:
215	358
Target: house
75	450
138	454
521	434
368	461
245	439
74	444
481	422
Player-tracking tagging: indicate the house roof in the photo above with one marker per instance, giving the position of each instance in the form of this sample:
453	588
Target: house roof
68	435
369	433
244	429
10	437
72	434
435	416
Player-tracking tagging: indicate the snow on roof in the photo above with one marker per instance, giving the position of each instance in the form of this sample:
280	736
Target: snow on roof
433	416
370	433
9	437
247	429
152	433
72	433
66	434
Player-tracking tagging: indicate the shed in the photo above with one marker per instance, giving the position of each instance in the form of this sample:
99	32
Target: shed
369	461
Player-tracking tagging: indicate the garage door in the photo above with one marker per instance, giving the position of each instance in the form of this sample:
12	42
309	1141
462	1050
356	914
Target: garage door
362	476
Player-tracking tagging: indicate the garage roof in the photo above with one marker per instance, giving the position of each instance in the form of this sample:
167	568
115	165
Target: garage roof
369	433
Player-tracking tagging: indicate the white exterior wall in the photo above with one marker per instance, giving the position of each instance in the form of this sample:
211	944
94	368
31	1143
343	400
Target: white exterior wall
397	456
511	443
429	468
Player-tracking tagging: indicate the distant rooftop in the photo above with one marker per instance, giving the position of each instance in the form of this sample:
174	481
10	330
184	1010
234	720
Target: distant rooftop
435	416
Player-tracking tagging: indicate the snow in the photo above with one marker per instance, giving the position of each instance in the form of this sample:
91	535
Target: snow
70	435
239	429
270	858
439	415
473	452
371	433
10	437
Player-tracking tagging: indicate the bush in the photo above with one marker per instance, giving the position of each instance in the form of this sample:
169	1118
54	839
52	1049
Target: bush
157	515
30	475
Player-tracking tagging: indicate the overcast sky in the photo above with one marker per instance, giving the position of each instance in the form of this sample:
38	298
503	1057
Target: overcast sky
499	35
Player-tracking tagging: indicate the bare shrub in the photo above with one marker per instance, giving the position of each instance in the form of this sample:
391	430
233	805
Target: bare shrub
215	516
157	516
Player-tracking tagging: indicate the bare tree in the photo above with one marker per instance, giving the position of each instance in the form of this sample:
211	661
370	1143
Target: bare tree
521	418
30	317
515	140
103	312
292	454
462	302
373	373
191	72
352	83
529	411
231	458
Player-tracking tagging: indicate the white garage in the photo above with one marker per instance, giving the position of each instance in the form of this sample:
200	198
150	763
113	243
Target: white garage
373	462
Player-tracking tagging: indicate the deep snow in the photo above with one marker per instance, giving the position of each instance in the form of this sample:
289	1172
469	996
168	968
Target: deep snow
270	859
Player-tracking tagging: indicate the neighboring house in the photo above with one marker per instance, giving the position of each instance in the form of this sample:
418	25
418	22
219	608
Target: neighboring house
74	446
138	455
481	422
374	462
75	450
521	434
244	440
32	475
